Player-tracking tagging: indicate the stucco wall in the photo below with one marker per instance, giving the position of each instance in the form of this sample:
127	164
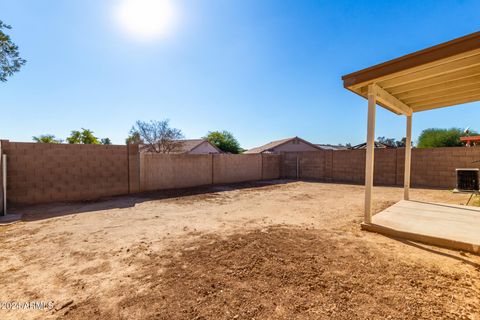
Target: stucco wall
294	147
204	148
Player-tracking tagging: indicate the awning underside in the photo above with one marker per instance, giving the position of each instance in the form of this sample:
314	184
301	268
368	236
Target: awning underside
440	83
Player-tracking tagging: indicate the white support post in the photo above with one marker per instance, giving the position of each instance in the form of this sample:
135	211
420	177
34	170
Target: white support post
408	157
369	163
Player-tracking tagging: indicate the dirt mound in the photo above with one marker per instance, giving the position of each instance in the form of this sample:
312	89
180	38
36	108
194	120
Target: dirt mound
292	273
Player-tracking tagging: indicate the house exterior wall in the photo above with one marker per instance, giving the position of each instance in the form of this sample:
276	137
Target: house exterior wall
204	148
294	147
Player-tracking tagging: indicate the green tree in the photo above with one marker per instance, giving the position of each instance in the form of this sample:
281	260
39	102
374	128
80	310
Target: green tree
106	141
134	138
224	141
436	138
46	138
392	142
75	137
82	137
10	61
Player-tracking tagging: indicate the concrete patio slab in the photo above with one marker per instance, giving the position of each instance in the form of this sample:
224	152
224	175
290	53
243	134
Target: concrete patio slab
445	225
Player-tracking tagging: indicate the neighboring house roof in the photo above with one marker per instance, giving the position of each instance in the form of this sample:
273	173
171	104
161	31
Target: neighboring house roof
189	145
331	147
274	144
377	145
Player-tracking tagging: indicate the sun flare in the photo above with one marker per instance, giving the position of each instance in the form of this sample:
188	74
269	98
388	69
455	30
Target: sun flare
146	19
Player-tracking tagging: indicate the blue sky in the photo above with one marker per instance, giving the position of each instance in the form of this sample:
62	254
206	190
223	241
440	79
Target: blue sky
262	69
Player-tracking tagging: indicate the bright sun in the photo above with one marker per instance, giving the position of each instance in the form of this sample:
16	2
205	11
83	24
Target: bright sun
146	19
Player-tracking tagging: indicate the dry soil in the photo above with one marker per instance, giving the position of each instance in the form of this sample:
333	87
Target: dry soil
283	250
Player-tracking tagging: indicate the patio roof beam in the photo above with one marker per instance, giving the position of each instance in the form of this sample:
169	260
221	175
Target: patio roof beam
447	103
449	51
441	76
447	68
436	91
446	80
390	101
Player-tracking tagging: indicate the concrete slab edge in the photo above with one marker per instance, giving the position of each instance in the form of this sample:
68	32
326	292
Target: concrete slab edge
430	240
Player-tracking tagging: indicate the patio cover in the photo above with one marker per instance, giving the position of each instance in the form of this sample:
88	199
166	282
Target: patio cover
440	76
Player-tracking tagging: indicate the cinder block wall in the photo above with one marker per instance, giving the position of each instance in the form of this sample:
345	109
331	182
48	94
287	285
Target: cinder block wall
433	168
39	172
348	166
133	168
160	171
385	167
436	167
312	166
289	165
230	168
165	171
271	166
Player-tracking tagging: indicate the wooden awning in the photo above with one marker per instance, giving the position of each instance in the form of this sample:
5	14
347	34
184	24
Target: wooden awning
444	75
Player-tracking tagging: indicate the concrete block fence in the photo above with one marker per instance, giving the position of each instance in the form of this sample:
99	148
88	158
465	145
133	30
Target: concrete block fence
40	173
431	168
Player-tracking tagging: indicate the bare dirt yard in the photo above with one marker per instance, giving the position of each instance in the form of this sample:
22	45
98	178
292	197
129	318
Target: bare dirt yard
284	250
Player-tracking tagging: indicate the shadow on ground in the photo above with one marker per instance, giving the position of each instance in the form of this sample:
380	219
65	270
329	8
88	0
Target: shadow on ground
58	209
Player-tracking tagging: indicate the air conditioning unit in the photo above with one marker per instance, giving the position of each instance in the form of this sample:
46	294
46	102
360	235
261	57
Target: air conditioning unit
467	179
